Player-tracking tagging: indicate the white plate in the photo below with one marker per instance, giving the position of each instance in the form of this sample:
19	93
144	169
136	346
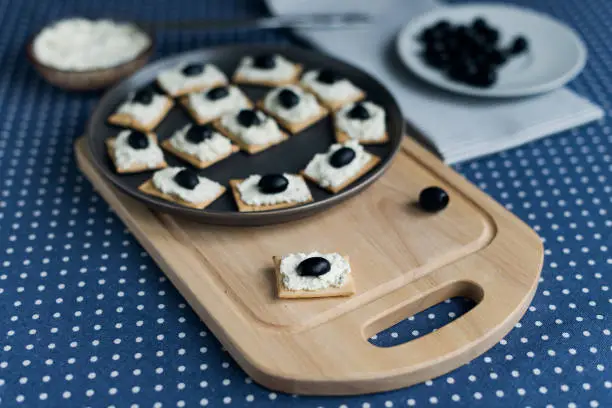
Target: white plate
556	53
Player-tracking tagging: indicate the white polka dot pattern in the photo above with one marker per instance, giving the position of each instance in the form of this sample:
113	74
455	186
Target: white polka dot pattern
89	320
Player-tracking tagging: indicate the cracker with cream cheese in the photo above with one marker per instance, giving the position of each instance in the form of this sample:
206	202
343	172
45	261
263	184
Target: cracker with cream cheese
125	119
342	137
110	146
149	188
244	207
347	289
249	148
201	118
295	127
192	158
266	76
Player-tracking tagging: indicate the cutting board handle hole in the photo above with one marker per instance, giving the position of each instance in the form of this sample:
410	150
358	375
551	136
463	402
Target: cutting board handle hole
424	315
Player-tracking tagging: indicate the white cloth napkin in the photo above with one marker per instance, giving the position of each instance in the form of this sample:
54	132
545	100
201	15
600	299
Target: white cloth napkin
458	127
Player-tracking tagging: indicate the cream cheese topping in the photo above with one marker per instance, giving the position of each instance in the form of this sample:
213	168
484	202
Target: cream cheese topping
207	109
208	150
307	107
369	129
284	70
79	44
328	176
297	191
206	190
264	133
144	114
174	81
336	277
340	90
126	156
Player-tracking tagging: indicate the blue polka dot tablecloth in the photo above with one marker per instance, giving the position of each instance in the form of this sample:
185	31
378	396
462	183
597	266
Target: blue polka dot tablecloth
88	320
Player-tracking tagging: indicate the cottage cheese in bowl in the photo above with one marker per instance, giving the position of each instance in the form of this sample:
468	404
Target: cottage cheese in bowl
79	44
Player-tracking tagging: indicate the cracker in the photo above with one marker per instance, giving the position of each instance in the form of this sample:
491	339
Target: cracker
110	146
348	289
239	79
334	105
192	159
194	88
342	137
374	160
249	148
184	100
127	120
291	126
148	188
244	207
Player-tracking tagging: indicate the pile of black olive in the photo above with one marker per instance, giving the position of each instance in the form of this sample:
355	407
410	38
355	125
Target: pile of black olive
470	54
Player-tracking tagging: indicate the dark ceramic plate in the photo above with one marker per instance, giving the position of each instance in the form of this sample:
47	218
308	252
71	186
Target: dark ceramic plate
289	156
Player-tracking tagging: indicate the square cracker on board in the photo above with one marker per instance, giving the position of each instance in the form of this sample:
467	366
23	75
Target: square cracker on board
348	289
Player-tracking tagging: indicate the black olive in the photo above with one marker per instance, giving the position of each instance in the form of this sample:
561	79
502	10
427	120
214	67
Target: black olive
485	78
491	36
187	179
497	57
466	53
483	61
219	92
342	157
519	45
463	33
315	266
359	112
327	76
272	183
442	25
198	133
138	140
440	60
427	36
144	96
433	199
193	69
264	61
431	35
288	99
480	24
248	118
437	47
458	72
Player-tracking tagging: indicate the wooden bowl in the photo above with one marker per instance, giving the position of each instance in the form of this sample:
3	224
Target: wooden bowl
90	80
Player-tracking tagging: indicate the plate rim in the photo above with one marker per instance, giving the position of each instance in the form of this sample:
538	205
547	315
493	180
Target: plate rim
403	39
237	218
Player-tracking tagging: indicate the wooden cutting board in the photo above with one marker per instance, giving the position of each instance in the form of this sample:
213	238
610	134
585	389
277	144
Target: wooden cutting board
403	261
